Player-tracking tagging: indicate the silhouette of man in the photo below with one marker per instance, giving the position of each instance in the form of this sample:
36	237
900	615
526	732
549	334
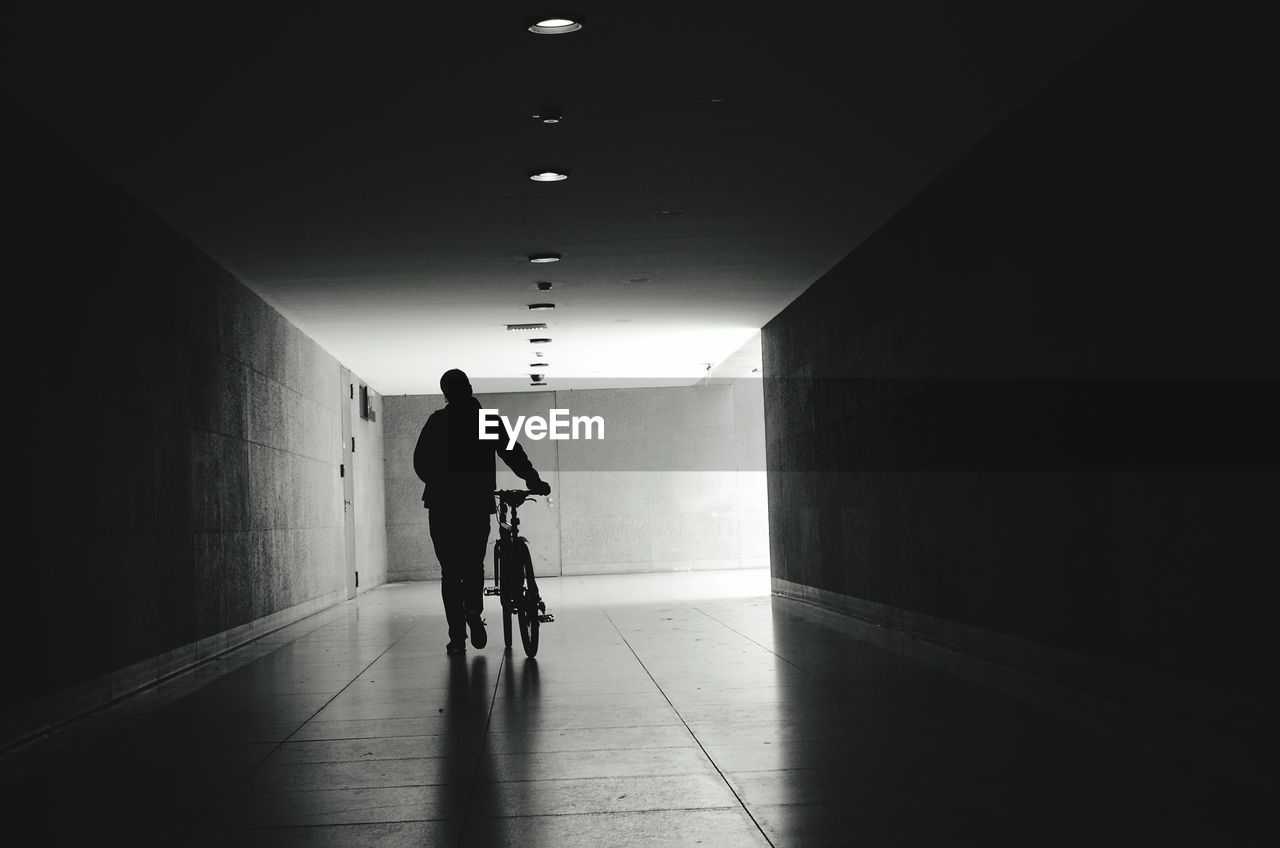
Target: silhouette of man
457	470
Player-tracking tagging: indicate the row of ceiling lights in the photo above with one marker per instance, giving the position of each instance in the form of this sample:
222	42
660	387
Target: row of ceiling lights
545	26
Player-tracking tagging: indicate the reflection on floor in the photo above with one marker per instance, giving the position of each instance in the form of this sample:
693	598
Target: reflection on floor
661	710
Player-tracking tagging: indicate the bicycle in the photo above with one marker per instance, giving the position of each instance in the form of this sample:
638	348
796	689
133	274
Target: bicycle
513	578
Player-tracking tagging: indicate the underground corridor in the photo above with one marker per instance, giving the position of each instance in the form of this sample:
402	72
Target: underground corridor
641	424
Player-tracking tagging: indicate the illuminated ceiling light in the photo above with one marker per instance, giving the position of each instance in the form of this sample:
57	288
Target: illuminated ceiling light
541	258
555	26
548	176
539	364
539	341
548	116
539	306
526	326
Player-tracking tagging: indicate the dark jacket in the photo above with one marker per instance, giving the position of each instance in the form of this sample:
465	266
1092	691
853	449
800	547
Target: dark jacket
456	466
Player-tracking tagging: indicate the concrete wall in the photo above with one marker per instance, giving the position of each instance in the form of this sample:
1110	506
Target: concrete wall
1037	410
179	448
676	484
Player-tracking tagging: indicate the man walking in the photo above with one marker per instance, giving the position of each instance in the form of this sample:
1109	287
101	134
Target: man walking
457	469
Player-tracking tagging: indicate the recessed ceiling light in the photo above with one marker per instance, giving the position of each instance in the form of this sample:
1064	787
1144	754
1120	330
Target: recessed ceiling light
548	176
538	306
540	258
543	285
538	353
539	341
537	384
536	377
670	213
548	117
639	280
526	326
555	26
539	364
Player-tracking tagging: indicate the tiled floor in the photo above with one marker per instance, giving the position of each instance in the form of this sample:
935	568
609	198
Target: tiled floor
678	710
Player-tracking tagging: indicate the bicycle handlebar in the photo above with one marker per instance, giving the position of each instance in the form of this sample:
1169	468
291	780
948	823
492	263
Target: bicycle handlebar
514	497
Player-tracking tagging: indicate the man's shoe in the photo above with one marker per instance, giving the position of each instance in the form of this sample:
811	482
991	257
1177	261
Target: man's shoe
455	648
478	637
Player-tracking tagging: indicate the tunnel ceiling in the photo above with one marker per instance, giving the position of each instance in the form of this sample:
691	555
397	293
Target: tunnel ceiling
365	167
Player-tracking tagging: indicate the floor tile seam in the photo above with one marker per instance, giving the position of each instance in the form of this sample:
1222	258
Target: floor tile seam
510	754
282	767
666	775
476	782
594	727
207	808
728	785
272	793
609	813
361	738
325	826
328	825
820	680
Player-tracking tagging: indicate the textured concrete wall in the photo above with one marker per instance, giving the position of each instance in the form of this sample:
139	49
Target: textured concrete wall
676	484
1041	401
409	552
265	436
179	468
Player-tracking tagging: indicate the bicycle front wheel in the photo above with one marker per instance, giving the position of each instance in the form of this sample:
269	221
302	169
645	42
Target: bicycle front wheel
529	631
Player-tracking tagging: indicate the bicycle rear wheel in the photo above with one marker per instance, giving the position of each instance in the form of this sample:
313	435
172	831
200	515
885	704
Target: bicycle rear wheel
527	612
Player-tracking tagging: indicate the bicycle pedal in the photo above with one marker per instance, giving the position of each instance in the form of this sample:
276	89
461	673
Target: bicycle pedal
545	617
491	590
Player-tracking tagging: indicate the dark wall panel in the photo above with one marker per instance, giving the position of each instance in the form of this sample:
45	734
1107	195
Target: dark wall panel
1042	399
178	440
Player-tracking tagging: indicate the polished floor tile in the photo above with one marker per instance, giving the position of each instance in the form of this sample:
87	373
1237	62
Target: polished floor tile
667	710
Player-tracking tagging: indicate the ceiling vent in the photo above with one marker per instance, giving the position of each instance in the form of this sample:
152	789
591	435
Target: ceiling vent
526	326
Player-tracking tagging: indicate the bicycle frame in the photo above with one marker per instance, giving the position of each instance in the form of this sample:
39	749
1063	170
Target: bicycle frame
519	590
